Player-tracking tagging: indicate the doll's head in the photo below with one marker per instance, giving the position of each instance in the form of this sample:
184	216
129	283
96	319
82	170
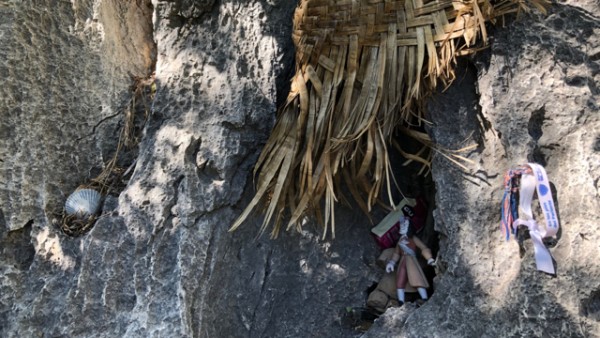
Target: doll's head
406	228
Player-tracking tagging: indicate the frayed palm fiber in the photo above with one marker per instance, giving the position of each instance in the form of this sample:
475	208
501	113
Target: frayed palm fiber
363	68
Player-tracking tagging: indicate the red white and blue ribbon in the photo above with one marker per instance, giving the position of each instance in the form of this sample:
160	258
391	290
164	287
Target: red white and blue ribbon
520	184
509	207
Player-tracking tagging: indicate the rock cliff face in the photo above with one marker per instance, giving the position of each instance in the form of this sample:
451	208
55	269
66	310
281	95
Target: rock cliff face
159	261
532	97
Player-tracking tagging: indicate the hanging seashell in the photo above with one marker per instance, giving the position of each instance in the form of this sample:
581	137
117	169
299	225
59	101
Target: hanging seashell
83	203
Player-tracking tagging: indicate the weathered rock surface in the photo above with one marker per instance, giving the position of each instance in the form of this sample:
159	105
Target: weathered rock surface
160	262
533	97
66	70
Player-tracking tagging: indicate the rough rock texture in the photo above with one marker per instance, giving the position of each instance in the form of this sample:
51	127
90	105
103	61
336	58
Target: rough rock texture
67	68
160	263
533	97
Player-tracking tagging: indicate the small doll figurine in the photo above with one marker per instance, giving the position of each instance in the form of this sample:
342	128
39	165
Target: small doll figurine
409	270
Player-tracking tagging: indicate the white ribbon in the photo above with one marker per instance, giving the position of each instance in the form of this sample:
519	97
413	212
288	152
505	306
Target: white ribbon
403	244
529	183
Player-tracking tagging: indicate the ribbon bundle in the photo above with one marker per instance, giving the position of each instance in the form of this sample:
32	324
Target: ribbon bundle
519	186
509	210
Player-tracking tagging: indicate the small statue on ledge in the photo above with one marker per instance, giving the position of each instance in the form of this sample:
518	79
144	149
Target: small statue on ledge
409	270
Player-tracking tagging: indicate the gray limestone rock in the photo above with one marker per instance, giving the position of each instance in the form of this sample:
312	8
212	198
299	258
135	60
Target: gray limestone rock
68	67
159	262
532	97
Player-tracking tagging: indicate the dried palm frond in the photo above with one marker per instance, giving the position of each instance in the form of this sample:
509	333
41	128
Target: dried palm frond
363	69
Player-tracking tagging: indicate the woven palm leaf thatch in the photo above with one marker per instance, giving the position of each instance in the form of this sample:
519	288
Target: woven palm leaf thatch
363	69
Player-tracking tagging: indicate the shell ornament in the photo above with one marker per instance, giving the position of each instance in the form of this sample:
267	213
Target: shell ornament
83	203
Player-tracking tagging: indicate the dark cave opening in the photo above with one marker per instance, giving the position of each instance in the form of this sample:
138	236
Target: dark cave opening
413	183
